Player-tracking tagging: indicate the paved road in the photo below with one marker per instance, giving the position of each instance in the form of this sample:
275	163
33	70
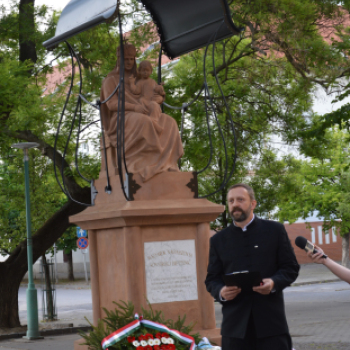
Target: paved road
319	314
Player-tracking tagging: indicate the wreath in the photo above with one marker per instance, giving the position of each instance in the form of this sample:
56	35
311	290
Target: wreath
148	335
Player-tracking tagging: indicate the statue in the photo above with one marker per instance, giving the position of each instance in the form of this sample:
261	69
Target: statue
152	140
152	94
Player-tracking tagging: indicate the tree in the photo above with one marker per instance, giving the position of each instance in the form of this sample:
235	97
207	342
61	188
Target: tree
267	76
297	60
26	116
258	102
343	208
318	184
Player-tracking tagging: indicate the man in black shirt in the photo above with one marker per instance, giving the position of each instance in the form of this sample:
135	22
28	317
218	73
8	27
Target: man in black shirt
252	320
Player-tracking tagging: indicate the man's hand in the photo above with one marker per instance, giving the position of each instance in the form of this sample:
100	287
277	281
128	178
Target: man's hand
266	287
229	293
317	258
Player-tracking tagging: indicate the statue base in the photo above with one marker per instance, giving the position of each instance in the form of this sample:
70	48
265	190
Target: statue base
153	249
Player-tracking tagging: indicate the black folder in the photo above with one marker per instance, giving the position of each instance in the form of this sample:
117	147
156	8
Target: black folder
243	279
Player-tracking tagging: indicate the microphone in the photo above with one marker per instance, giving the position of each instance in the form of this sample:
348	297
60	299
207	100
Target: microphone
303	243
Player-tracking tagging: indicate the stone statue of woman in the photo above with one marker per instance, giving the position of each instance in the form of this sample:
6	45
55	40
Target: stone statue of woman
152	145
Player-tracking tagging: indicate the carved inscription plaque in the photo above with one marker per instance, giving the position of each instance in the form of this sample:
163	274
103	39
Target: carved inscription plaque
171	273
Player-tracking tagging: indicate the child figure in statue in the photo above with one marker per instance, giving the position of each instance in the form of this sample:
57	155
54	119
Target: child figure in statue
152	94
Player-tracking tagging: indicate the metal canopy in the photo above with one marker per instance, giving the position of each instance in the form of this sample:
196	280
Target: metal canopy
183	25
81	15
187	25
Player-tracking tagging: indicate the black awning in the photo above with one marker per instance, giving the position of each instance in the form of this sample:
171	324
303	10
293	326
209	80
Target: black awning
183	25
187	25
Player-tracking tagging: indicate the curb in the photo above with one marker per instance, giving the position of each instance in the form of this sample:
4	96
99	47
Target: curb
48	332
315	282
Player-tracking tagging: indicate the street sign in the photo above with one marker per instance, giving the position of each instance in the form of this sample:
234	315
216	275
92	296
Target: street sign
81	232
82	243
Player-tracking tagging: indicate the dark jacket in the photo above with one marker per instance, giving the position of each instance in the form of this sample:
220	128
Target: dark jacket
264	247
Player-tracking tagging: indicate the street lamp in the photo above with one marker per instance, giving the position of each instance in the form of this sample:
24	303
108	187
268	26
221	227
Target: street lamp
32	299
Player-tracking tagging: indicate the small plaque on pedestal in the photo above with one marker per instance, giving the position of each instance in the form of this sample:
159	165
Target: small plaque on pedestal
171	272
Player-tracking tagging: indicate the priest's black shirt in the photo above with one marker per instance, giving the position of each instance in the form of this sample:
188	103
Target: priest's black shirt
263	247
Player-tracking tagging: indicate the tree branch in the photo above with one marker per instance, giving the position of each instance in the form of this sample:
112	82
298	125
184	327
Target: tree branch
49	152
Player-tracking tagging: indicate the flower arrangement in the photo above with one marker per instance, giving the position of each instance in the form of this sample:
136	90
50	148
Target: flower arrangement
148	335
160	341
119	329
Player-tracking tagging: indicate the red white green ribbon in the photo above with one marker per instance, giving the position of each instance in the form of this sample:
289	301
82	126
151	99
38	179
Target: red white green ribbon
120	334
127	330
185	338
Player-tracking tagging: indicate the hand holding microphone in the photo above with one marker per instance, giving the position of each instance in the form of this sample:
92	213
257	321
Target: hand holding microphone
317	255
313	252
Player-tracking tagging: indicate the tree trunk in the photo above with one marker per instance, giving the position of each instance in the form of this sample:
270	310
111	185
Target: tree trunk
9	286
14	268
26	22
70	266
345	250
48	290
223	202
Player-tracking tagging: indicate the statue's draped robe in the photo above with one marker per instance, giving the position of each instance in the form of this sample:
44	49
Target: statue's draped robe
151	146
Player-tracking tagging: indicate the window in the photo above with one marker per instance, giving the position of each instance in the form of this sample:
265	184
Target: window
320	238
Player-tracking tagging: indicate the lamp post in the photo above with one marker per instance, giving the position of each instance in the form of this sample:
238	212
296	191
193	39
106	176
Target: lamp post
32	299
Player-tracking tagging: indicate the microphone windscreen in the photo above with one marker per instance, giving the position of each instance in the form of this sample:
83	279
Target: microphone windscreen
301	242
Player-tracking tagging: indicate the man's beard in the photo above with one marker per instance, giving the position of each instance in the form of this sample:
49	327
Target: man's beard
243	214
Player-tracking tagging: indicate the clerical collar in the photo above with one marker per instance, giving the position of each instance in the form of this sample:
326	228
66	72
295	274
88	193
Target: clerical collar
245	227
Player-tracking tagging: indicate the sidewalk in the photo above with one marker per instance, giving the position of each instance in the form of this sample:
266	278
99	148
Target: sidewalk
73	301
73	304
58	334
314	273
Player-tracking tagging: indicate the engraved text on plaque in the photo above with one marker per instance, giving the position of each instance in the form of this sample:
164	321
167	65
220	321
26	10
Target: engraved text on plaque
171	273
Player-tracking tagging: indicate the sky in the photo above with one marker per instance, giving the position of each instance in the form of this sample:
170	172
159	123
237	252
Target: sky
56	4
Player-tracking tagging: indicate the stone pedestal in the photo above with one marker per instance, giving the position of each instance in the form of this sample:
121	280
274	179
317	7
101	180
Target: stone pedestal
155	248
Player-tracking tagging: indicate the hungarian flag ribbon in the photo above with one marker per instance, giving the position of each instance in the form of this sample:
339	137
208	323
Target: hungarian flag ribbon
185	338
125	331
120	334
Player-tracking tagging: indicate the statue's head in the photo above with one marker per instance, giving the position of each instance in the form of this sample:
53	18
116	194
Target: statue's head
145	69
129	50
129	58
